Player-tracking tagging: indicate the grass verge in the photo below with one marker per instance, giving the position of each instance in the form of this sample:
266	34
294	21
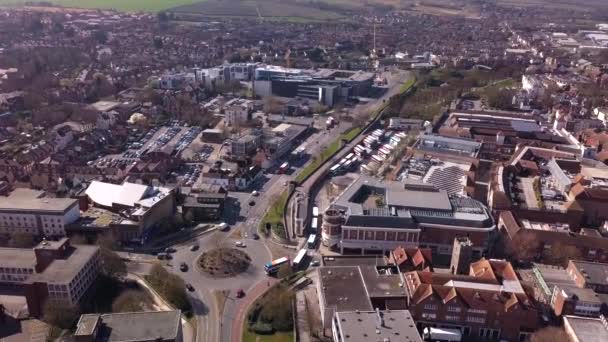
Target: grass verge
274	215
249	336
407	85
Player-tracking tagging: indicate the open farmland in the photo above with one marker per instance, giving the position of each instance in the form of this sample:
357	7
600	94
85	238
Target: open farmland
268	9
120	5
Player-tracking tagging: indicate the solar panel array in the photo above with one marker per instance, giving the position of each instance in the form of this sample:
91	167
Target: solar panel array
448	179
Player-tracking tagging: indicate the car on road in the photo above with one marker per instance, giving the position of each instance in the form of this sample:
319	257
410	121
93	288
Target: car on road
252	203
240	244
189	287
163	256
255	236
183	267
170	250
315	263
240	293
194	248
255	193
223	226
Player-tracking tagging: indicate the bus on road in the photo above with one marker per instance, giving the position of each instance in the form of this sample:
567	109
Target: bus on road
315	211
297	261
274	266
312	241
335	169
314	224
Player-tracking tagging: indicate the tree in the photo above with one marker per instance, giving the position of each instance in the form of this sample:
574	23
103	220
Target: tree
319	108
22	240
189	217
60	314
499	98
523	247
284	271
560	254
100	36
111	264
277	309
158	42
129	301
170	286
162	16
272	104
549	334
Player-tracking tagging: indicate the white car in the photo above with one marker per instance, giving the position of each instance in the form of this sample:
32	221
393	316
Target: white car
240	244
255	193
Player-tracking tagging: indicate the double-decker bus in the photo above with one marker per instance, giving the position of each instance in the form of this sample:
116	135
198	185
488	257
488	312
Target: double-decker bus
315	211
335	169
297	261
314	224
274	266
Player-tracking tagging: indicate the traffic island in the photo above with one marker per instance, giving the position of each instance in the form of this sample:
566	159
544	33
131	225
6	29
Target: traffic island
224	262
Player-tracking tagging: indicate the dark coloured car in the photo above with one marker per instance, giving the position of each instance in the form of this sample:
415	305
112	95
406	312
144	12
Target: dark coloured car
256	236
240	293
183	267
252	203
189	287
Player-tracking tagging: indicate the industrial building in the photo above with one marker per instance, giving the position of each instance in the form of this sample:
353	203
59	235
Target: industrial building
327	86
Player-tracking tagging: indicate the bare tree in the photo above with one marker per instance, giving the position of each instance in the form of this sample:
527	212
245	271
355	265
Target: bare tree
550	334
272	104
523	247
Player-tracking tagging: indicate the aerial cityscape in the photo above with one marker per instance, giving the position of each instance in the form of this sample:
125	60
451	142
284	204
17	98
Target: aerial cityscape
304	170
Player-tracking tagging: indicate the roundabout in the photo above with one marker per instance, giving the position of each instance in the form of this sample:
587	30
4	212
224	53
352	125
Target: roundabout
224	262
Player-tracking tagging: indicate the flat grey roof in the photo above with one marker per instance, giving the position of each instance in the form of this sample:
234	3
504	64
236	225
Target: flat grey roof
385	284
138	326
30	201
87	324
587	329
395	325
557	276
17	258
354	260
343	288
406	206
64	270
437	200
595	273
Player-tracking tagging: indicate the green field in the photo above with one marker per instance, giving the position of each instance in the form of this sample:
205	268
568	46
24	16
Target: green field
266	9
120	5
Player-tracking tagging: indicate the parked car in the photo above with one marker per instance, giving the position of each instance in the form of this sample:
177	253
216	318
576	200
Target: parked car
255	193
223	226
170	250
315	263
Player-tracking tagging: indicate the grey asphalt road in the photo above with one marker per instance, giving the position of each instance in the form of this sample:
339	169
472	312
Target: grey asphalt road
244	220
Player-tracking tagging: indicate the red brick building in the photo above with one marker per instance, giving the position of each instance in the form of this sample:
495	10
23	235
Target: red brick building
489	303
